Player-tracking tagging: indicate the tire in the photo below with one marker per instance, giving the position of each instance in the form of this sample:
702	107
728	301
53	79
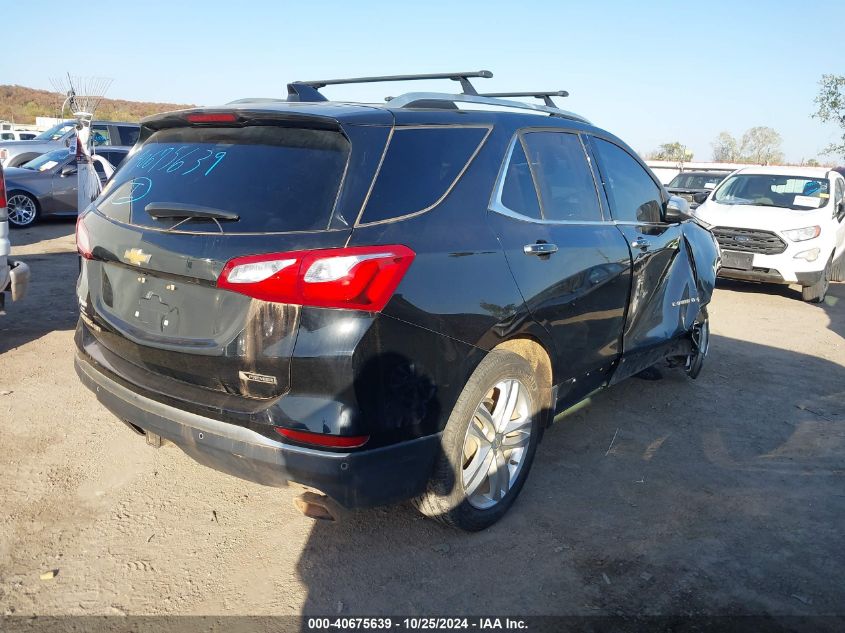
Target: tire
462	491
837	271
700	346
816	292
23	209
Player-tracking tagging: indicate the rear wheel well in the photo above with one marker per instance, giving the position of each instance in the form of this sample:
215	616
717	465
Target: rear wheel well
541	363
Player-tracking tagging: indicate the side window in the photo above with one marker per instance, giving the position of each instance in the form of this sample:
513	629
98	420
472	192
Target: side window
98	167
839	196
518	192
420	166
563	176
634	197
129	135
100	135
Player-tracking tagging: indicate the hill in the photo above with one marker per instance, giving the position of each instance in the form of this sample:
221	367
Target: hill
21	105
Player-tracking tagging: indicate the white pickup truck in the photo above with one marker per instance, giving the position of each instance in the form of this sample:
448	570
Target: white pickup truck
781	225
14	276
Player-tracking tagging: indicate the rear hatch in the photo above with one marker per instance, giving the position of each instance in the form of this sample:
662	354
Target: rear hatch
193	196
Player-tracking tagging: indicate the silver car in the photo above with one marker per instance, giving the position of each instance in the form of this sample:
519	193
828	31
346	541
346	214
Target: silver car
16	153
14	276
48	185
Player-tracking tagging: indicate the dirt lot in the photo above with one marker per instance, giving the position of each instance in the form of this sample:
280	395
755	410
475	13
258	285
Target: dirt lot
721	495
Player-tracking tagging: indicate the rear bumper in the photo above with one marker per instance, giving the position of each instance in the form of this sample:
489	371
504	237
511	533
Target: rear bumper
353	480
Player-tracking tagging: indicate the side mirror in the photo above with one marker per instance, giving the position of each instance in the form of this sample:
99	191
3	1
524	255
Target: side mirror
700	197
676	209
68	170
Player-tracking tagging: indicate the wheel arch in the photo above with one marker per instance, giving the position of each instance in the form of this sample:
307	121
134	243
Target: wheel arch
533	351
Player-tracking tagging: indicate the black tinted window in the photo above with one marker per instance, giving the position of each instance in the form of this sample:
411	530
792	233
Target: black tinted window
634	197
420	166
567	189
129	135
275	179
518	192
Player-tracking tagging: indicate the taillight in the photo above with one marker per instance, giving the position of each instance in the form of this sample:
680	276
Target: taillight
357	278
319	439
83	241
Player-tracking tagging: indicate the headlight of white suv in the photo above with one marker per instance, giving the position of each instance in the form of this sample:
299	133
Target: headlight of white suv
807	233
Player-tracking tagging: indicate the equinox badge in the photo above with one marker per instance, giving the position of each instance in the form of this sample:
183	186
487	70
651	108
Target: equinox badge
136	256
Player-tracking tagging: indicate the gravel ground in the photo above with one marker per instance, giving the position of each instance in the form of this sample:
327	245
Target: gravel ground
721	495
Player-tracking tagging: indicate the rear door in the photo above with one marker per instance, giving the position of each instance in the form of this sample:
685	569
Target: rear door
664	298
570	263
150	293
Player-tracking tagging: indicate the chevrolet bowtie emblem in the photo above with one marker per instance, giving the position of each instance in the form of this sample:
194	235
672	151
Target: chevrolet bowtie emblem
136	256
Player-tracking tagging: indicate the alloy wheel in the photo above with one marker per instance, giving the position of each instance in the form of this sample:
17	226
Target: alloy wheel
495	443
21	209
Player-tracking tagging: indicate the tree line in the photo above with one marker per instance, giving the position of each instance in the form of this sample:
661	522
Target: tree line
761	145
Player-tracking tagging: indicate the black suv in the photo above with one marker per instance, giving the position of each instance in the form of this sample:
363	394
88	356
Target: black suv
381	302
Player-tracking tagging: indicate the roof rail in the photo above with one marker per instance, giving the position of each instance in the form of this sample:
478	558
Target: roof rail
463	78
545	95
431	99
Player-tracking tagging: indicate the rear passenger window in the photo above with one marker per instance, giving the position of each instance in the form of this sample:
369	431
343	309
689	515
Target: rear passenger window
129	135
518	192
420	167
634	197
563	175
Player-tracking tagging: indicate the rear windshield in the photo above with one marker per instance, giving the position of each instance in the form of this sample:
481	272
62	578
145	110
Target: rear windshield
274	179
765	190
696	181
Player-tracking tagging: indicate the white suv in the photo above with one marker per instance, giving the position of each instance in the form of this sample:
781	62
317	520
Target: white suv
780	225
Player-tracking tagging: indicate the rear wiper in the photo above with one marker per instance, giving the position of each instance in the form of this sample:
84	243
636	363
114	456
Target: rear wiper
159	210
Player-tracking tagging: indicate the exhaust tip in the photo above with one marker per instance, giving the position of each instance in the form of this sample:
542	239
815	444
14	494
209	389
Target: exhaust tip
315	506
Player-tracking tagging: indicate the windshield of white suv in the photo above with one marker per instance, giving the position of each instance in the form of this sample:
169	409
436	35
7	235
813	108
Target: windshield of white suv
769	190
56	132
696	181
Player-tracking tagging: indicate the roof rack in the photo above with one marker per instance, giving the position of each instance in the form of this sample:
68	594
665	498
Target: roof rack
299	89
437	99
545	95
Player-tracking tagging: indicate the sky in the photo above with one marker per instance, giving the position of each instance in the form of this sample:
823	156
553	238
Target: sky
650	72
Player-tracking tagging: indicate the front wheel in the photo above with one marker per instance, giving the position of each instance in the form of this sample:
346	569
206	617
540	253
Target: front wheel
700	338
817	292
488	445
23	209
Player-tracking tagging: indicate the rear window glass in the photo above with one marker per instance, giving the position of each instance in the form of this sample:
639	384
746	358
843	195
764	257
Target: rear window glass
518	192
129	135
420	166
274	179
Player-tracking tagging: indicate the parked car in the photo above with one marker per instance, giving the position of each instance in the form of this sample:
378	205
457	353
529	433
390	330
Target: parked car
17	135
695	186
48	185
14	275
16	153
361	315
783	225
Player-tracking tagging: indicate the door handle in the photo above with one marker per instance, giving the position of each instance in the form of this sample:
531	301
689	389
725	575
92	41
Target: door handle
641	243
540	248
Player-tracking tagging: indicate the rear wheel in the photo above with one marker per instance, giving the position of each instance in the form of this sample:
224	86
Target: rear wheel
23	209
488	445
816	292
